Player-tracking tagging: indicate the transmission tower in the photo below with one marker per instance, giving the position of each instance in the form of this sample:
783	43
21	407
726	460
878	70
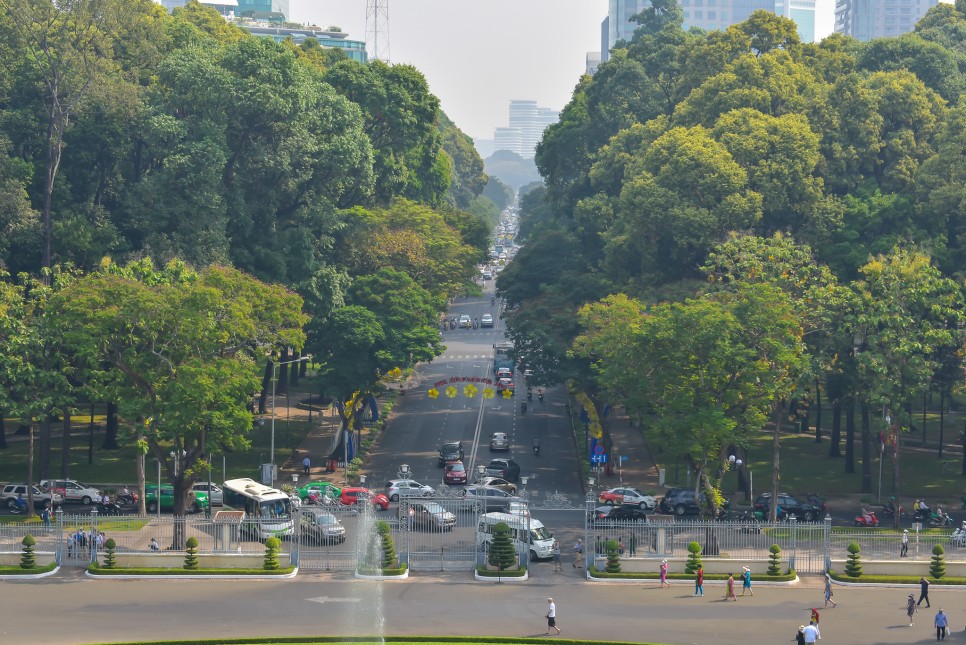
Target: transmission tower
377	29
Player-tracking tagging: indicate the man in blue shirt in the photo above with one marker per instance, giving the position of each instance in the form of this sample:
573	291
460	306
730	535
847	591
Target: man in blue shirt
941	623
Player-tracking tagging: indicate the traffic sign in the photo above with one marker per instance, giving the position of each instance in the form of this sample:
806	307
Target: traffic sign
598	449
598	459
624	458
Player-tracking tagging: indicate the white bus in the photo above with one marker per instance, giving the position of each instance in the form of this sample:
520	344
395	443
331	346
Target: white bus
268	511
539	542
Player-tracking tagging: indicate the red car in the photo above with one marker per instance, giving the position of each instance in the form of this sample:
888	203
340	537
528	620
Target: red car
455	473
353	495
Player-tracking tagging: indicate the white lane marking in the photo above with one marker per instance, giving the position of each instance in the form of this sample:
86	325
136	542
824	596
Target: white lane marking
325	599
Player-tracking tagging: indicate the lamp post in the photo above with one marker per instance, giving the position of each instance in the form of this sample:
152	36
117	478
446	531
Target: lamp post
362	480
275	366
404	471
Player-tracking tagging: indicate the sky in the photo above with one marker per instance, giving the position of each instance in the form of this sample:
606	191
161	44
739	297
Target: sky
476	55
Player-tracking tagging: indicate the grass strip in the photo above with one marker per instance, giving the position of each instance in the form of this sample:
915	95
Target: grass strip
98	570
16	570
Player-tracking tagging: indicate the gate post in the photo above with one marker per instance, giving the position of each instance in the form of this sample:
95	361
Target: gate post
59	537
828	541
92	536
296	535
793	526
404	533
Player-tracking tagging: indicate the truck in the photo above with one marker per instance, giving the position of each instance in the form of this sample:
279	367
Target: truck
501	357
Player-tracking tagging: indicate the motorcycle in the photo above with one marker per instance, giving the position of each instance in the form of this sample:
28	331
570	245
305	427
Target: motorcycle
529	394
958	537
536	447
889	511
816	500
540	396
111	508
523	407
492	301
940	520
129	499
867	519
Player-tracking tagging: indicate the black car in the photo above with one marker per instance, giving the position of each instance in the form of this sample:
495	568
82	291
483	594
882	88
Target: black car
788	506
619	513
682	501
450	451
505	468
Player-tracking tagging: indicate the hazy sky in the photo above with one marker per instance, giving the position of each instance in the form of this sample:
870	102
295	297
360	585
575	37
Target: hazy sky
478	55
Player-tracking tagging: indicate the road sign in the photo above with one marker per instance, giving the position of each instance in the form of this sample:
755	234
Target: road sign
624	458
598	459
598	449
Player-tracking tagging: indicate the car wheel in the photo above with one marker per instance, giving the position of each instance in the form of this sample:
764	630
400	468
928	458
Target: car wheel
809	516
87	500
643	507
608	502
152	507
394	498
679	510
462	492
533	556
11	505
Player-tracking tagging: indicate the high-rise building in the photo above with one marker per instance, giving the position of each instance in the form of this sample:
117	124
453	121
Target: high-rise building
713	15
263	7
803	12
527	123
868	19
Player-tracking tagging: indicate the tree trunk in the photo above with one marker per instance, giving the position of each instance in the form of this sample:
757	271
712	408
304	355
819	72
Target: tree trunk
942	421
818	412
30	471
293	373
925	396
779	409
835	448
3	432
65	447
266	385
866	449
140	464
110	428
281	385
849	436
896	447
45	446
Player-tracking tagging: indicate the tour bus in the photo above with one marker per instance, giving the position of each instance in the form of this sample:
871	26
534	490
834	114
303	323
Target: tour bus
540	541
268	511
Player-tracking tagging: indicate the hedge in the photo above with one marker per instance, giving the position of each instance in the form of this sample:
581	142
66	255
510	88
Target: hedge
896	580
597	573
396	571
16	570
506	573
97	569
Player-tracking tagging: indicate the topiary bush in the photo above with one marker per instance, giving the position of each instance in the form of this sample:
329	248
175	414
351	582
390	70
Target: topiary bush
694	558
191	553
389	556
27	558
853	568
272	547
502	554
774	560
937	569
110	559
613	557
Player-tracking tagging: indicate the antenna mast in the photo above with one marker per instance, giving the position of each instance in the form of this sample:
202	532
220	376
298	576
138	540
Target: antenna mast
377	29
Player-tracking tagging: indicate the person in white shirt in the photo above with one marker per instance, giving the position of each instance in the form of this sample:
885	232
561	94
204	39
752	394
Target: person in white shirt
811	632
551	616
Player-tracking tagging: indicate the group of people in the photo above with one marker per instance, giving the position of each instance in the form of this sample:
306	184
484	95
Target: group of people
79	540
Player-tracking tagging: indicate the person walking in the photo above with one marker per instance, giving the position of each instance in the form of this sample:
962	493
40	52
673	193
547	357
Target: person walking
746	581
800	635
551	616
730	592
811	633
699	581
45	517
578	552
306	466
664	582
904	549
911	608
828	591
941	623
923	591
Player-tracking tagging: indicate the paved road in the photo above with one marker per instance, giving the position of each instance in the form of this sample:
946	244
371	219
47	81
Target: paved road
73	609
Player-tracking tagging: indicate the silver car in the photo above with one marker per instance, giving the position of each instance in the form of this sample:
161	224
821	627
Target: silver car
430	515
215	494
494	498
322	525
500	441
407	488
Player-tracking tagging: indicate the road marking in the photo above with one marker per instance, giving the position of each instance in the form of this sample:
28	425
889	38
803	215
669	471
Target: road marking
324	599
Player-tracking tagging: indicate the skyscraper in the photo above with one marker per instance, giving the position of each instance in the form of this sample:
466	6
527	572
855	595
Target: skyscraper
803	13
868	19
527	123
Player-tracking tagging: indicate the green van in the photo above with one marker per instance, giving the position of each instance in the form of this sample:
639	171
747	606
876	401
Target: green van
167	499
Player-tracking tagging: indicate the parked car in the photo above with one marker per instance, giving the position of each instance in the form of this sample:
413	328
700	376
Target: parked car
319	489
450	451
499	482
454	473
397	488
494	498
354	494
628	497
681	501
500	441
41	498
72	490
322	525
430	515
789	505
505	468
619	513
486	320
215	493
198	504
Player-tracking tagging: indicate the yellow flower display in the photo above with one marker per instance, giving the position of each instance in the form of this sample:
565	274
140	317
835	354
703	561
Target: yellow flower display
470	390
433	393
451	391
488	393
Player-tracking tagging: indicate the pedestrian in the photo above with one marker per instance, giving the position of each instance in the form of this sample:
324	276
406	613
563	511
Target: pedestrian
45	517
941	623
70	545
904	550
730	593
746	581
923	591
555	551
699	581
620	546
154	544
811	633
815	616
828	591
632	544
800	635
911	607
664	582
551	616
578	552
306	466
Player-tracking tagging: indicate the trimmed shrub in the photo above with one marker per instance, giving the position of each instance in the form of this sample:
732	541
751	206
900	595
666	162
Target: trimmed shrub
694	558
613	557
191	553
27	558
110	558
502	554
853	568
272	547
937	569
774	560
389	556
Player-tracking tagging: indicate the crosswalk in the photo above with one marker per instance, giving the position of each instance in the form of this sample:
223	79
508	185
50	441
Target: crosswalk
465	357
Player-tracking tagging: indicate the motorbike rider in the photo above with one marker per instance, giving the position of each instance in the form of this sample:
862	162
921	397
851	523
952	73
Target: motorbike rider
540	393
492	301
21	504
529	393
924	510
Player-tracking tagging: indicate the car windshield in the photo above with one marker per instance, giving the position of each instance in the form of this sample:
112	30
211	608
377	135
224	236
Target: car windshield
434	508
278	508
540	534
457	468
326	519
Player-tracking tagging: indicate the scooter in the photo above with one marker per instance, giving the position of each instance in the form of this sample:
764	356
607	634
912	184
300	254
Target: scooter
889	511
111	508
536	447
867	519
940	519
492	301
523	407
540	396
815	500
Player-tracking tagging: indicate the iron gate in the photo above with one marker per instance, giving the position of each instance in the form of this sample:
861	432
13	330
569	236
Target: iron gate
438	533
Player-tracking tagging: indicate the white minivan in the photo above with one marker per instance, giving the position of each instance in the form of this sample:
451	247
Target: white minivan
539	542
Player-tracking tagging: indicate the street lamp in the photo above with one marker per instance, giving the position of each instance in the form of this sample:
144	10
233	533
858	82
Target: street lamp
362	480
480	473
404	471
271	457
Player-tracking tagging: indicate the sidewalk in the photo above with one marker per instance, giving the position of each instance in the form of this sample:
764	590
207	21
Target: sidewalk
639	469
315	446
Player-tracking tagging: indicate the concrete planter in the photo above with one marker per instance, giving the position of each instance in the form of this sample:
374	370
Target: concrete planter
523	578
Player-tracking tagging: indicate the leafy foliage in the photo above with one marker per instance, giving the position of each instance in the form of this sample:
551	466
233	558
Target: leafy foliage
613	557
27	558
853	566
191	553
694	558
774	560
389	557
272	547
110	556
937	564
502	555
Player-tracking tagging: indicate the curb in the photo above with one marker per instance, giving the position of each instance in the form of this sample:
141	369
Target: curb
199	577
523	578
366	576
32	576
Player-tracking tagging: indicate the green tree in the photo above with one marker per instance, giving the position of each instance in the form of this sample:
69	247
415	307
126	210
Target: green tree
853	567
774	560
502	555
191	553
272	546
937	564
388	547
110	557
27	558
613	557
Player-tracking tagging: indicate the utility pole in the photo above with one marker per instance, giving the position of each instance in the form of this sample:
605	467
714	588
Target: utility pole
377	29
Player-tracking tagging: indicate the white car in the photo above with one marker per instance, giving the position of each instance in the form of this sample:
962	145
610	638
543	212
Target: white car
628	497
72	490
407	488
216	495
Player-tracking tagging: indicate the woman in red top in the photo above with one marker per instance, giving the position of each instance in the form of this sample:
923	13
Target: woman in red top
699	581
